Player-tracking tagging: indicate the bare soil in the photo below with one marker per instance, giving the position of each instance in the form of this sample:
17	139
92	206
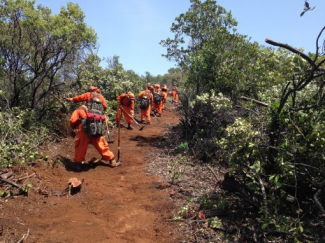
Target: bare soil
123	204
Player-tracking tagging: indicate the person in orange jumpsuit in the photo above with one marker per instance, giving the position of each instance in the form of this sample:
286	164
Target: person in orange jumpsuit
83	139
127	104
156	87
145	113
156	106
164	93
87	97
174	94
148	85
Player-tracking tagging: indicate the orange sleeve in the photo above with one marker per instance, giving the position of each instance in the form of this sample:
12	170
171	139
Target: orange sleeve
151	99
74	119
164	94
132	101
81	98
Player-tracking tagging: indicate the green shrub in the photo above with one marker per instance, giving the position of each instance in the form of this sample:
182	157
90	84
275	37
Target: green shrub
20	137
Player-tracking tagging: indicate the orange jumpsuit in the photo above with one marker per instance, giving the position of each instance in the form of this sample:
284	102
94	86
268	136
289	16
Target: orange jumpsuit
145	114
174	94
87	96
127	102
156	106
162	103
83	139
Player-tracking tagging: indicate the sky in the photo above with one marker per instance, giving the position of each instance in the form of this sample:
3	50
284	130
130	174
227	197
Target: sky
132	29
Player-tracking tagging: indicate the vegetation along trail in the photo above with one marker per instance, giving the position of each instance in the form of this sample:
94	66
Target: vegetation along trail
120	204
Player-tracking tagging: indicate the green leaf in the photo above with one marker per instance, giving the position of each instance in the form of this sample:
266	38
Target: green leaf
264	226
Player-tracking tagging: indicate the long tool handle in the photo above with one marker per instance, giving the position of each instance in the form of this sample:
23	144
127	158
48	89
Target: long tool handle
118	133
141	127
130	116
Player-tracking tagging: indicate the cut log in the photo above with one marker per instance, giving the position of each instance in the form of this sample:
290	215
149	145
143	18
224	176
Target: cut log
209	213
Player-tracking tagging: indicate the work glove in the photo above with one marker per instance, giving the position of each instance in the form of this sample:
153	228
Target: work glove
107	132
69	99
132	113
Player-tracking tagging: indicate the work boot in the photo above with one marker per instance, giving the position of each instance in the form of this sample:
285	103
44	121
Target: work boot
148	123
112	163
129	127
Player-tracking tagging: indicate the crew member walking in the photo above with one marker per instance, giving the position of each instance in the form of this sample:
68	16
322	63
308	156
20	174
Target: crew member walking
77	121
93	92
127	104
146	101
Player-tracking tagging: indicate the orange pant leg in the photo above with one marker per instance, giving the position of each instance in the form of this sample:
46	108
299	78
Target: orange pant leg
102	147
145	114
160	107
176	97
148	111
155	107
127	113
173	95
81	145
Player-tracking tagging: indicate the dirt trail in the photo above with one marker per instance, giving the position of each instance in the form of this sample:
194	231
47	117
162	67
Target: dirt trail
120	204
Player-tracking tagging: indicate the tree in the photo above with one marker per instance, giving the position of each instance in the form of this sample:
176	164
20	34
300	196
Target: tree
196	27
36	45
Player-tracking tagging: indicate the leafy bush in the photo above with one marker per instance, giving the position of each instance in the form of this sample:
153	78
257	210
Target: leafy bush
203	120
20	137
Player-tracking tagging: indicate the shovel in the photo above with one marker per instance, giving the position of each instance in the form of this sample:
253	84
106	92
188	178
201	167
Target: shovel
118	136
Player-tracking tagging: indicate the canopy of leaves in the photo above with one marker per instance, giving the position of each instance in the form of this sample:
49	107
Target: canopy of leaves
35	45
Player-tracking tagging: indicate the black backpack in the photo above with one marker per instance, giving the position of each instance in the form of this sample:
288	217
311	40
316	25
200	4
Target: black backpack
157	98
144	102
94	124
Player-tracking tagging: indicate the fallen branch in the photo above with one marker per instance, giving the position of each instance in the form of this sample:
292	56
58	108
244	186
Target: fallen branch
230	184
215	175
6	175
264	194
11	183
245	108
25	177
255	101
24	237
318	203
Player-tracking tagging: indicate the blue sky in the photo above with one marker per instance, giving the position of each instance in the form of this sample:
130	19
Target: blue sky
132	29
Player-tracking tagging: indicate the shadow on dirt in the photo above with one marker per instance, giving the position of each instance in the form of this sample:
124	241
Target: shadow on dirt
71	166
153	141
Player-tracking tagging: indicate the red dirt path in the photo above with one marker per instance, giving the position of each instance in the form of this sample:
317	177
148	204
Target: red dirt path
120	204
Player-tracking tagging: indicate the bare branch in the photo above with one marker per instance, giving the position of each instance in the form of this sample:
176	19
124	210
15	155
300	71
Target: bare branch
317	46
255	101
294	50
